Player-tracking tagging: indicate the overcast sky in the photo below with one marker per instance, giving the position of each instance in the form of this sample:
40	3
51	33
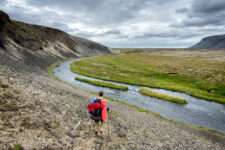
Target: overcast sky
126	23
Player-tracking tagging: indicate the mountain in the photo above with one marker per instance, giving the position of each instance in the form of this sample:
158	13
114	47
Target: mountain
41	45
211	42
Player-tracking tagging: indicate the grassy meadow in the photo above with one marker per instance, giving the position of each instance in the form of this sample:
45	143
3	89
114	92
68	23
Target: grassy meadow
174	99
102	84
200	73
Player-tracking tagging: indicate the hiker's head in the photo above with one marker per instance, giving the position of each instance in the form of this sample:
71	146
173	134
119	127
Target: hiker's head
100	93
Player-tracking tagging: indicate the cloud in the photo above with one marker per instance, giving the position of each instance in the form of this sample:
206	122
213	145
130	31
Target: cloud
203	13
113	31
85	34
107	12
130	23
181	10
209	7
216	20
171	34
2	2
96	33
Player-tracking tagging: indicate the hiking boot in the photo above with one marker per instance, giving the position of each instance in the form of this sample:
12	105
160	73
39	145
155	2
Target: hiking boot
96	133
101	132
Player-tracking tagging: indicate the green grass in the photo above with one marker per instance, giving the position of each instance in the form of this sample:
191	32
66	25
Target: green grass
192	75
163	96
115	115
102	84
17	147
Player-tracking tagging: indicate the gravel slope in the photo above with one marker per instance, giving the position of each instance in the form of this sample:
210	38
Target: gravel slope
38	111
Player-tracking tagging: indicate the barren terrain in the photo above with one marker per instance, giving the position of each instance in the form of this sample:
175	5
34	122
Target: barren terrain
38	111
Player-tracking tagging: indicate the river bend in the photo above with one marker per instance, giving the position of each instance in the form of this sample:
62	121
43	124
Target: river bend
197	112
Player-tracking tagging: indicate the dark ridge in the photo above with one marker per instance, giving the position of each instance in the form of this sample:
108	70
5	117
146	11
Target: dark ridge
4	18
216	42
2	44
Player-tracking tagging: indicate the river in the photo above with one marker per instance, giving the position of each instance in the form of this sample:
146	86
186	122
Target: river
197	112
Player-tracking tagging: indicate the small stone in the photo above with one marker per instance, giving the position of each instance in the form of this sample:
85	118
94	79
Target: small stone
122	133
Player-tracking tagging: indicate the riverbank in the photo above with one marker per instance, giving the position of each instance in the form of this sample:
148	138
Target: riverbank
194	75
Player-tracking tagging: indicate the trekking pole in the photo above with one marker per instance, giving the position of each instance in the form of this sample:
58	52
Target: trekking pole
108	122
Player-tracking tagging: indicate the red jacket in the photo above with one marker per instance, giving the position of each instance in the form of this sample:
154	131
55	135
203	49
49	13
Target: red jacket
103	109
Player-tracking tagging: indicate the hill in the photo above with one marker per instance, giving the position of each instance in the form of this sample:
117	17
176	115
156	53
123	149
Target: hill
39	45
211	42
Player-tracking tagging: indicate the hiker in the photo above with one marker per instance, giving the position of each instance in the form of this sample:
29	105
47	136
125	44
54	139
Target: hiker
98	111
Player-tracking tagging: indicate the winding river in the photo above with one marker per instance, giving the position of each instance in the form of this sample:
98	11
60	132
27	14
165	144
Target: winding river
197	112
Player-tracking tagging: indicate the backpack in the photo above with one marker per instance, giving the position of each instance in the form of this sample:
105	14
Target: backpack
97	113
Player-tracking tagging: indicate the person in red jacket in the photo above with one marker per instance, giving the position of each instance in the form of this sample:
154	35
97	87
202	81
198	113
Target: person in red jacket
98	111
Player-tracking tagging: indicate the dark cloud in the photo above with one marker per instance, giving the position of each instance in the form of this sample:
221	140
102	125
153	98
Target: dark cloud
169	34
85	34
153	35
216	20
102	11
181	10
113	31
207	7
204	13
121	36
2	2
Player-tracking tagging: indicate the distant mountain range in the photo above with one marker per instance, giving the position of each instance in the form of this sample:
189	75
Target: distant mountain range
211	42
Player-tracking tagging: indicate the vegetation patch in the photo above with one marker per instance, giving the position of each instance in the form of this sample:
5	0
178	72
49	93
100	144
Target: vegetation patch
198	76
163	96
18	147
115	115
102	84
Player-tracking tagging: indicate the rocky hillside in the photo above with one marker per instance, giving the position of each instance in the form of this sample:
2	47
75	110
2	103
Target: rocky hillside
211	42
38	43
